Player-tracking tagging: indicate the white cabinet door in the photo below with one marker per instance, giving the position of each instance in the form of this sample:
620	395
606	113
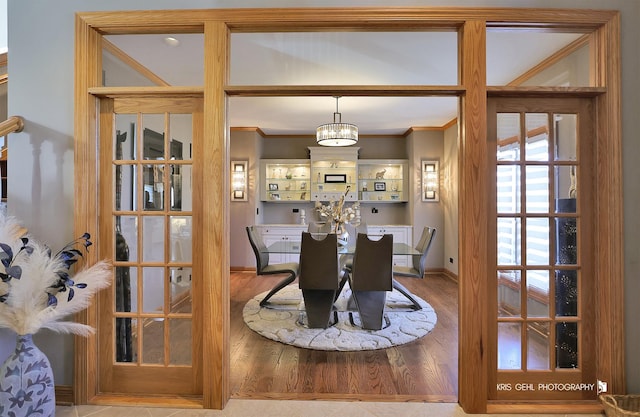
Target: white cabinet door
401	234
275	233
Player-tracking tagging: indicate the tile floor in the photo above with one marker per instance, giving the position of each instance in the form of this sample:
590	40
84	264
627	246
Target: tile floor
272	408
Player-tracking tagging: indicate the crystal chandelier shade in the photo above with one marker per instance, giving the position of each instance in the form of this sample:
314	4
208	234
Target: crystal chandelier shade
337	133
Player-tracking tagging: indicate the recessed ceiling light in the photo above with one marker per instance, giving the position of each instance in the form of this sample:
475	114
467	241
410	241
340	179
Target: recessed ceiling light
171	41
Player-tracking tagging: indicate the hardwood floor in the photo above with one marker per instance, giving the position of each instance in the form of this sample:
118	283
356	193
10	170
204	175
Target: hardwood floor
424	370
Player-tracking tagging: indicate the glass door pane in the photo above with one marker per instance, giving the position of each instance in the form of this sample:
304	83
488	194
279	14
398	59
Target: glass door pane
153	186
543	327
150	329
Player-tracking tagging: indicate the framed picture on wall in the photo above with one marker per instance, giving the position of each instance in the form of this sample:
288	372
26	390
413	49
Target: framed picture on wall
337	178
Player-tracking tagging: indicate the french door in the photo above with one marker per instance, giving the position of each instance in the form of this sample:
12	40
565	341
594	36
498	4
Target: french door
542	258
148	333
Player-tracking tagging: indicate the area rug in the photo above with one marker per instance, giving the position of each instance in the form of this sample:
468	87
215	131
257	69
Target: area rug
282	321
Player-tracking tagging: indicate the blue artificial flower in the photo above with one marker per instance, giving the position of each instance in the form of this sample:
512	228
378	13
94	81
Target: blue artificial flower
69	255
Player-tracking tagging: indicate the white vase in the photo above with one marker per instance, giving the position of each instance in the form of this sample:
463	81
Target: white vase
26	382
342	235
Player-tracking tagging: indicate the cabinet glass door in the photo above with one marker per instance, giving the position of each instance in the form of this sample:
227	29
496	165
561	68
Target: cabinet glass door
382	181
332	179
285	180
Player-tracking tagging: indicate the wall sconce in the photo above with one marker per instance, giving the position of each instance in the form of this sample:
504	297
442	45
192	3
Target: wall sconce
430	181
239	180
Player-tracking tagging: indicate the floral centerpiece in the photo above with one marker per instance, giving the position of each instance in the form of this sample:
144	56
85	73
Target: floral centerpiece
37	290
339	214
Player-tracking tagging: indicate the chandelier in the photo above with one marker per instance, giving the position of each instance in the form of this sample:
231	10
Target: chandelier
337	133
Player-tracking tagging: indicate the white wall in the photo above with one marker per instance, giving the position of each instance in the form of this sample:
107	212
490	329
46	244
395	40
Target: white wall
41	39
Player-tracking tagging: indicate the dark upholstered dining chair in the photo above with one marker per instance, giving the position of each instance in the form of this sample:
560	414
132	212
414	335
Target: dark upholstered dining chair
263	267
319	278
371	277
418	264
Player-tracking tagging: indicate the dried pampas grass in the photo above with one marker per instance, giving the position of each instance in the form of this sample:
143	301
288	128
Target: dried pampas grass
37	289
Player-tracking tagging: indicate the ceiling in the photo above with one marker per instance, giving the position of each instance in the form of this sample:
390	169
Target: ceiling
340	58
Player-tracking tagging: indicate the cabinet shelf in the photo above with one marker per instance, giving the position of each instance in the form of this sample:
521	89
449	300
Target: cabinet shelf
285	180
333	173
287	196
380	197
330	173
382	180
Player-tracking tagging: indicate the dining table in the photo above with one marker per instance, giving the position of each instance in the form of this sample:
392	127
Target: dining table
294	247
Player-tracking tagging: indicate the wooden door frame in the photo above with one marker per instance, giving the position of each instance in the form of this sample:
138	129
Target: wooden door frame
474	301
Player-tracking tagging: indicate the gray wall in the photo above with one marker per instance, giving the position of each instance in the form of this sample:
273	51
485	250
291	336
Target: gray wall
418	146
41	41
428	145
245	146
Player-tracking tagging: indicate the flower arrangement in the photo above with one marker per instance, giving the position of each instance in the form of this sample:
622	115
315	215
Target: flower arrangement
36	287
338	214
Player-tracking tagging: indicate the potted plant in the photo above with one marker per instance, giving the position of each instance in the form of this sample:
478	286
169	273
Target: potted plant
38	290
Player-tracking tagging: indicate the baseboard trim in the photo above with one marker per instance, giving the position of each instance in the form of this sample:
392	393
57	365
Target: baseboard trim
166	401
348	397
242	269
64	395
534	407
453	277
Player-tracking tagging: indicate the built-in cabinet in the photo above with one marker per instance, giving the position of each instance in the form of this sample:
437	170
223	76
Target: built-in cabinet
401	234
383	180
331	173
285	180
272	233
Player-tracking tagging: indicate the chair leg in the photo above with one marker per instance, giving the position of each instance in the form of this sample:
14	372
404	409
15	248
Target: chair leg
318	305
404	291
288	280
387	322
371	308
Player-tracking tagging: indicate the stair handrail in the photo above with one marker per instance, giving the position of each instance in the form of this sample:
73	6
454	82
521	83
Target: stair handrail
13	124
